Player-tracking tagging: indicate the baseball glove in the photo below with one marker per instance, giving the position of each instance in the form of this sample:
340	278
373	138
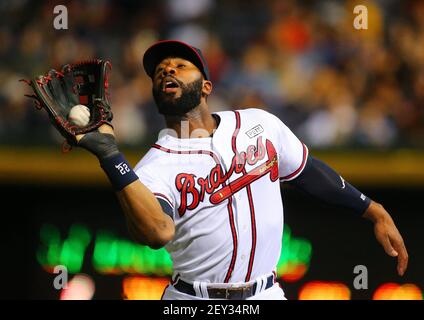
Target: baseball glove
83	83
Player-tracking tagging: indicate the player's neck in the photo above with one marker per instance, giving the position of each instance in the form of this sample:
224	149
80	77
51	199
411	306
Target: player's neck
198	123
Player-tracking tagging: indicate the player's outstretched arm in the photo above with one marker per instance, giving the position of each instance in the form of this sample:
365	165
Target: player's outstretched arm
147	222
387	234
322	182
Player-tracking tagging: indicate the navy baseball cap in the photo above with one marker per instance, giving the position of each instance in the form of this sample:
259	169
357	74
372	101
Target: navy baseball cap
173	48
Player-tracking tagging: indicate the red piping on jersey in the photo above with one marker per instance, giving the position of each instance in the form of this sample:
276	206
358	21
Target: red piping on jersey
209	153
164	198
253	222
251	206
229	205
302	165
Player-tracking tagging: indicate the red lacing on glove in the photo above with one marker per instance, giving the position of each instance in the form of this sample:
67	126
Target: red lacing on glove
106	84
66	147
89	61
28	82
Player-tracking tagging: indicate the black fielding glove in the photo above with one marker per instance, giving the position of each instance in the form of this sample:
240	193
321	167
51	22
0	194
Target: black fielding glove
85	83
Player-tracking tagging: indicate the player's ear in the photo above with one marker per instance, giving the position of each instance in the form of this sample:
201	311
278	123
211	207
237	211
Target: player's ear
207	87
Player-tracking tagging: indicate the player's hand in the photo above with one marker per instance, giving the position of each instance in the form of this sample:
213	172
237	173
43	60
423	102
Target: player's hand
388	235
100	142
104	128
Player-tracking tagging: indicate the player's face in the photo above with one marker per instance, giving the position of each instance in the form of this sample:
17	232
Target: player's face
177	86
171	69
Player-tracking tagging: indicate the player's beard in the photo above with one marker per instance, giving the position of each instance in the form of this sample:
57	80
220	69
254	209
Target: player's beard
190	98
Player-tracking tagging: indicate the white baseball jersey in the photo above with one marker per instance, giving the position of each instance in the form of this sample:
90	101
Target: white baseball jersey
225	195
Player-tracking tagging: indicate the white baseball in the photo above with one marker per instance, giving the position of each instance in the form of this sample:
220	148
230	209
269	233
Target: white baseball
79	115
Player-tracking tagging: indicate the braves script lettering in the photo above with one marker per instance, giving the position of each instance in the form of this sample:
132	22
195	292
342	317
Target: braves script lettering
197	187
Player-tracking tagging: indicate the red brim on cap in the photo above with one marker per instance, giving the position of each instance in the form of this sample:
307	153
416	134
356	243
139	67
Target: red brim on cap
173	48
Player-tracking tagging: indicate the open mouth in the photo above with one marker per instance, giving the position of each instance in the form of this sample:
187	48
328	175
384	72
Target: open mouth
170	85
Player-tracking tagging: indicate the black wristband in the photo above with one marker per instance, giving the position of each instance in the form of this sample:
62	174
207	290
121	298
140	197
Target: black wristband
118	171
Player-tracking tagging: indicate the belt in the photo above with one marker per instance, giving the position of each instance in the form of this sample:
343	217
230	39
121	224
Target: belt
239	292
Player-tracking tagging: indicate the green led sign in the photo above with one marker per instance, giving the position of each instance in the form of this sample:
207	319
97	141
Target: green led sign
69	252
295	257
294	250
112	255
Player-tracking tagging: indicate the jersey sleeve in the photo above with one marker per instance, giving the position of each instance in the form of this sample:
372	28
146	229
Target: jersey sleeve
151	179
292	153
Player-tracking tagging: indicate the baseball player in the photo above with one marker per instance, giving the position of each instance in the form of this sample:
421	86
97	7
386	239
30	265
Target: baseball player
209	188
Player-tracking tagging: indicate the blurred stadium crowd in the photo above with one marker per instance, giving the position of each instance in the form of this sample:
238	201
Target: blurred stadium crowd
302	60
